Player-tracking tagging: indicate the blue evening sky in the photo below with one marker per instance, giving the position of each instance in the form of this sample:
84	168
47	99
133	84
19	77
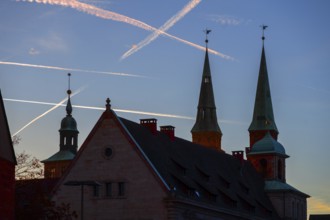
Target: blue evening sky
35	35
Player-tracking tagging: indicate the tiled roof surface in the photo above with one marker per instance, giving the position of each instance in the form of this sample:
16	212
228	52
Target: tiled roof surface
202	174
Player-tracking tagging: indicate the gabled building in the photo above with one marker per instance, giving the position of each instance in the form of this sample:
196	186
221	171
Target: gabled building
126	170
7	168
268	156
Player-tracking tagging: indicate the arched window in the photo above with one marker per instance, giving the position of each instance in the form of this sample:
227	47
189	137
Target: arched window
263	167
280	169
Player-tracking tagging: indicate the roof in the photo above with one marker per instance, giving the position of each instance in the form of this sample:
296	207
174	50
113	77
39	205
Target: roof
6	145
319	217
267	145
263	116
275	186
198	173
206	119
60	156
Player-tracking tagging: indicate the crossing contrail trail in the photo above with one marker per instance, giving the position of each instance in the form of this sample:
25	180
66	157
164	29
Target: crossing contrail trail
66	69
122	110
101	13
188	7
56	105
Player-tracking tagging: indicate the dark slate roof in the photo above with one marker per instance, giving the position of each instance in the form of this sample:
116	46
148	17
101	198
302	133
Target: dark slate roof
263	116
201	174
6	145
320	217
274	185
206	119
60	156
268	145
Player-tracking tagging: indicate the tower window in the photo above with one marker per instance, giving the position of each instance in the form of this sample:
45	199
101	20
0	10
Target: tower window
207	80
52	172
280	170
263	167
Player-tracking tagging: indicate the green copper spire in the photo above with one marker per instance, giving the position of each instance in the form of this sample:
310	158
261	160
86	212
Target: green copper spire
263	116
206	119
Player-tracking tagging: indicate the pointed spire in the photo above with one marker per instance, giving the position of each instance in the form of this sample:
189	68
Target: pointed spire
206	119
263	116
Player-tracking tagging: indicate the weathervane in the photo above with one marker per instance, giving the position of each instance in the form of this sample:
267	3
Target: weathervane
263	31
207	31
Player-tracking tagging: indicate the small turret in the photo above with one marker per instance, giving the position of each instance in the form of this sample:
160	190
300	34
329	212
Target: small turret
57	164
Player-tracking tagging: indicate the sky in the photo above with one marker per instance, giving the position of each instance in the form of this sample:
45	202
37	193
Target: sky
147	57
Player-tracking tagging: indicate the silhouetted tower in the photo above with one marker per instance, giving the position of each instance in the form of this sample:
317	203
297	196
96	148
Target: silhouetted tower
268	156
206	130
265	153
57	164
263	117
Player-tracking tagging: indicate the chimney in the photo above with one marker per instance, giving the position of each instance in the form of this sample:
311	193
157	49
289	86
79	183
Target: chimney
150	123
239	154
168	130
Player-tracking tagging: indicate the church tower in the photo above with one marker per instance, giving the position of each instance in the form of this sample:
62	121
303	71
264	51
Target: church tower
206	130
263	117
268	156
57	164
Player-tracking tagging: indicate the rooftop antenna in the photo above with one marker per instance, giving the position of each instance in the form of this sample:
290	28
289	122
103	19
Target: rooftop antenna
207	32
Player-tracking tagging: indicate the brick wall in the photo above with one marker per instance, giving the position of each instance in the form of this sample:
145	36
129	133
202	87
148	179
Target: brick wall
7	190
122	164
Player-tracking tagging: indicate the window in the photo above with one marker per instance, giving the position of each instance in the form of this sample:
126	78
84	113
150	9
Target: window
96	191
108	189
52	172
263	167
280	170
121	189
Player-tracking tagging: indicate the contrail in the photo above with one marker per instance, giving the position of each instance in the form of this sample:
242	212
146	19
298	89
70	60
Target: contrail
56	105
191	5
101	13
66	69
122	110
46	112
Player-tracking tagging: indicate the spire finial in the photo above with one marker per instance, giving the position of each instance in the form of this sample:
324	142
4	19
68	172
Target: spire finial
107	106
263	27
207	31
69	90
68	105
